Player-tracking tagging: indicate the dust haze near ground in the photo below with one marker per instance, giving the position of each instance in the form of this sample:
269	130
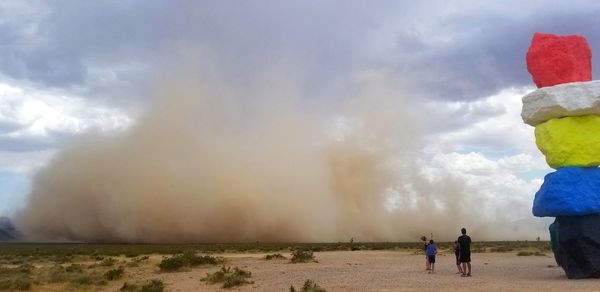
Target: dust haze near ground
211	162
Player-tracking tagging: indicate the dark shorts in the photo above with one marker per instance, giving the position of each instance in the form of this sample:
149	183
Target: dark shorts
431	259
465	257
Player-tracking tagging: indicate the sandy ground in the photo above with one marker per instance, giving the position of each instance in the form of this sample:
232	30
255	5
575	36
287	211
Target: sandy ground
375	271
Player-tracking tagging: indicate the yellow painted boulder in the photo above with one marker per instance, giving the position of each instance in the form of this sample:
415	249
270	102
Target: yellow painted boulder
570	141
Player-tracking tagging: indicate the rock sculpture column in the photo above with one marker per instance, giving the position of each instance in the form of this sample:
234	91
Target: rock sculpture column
565	111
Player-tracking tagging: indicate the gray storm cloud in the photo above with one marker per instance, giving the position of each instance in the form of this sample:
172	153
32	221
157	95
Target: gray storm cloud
210	162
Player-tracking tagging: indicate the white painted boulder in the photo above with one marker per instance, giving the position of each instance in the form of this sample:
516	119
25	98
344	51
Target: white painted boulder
563	100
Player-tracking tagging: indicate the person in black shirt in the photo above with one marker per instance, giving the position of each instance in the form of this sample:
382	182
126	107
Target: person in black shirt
464	249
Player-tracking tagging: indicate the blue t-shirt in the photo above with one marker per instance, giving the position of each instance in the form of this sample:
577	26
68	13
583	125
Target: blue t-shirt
431	249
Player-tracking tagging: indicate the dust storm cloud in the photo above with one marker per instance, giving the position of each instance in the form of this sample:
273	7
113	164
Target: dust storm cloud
209	162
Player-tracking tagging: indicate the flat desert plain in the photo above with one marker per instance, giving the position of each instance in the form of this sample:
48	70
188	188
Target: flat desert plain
386	270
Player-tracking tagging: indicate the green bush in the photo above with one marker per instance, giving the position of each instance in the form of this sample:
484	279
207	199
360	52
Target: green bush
190	259
114	274
172	264
309	286
229	278
153	286
275	256
303	256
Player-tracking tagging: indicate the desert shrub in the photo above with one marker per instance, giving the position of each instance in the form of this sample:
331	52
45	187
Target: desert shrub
74	268
19	283
172	264
5	284
501	249
530	253
131	254
61	259
303	256
153	286
275	256
229	278
135	262
16	261
25	268
309	286
114	274
190	259
17	278
129	287
354	247
108	262
82	279
194	260
21	269
57	274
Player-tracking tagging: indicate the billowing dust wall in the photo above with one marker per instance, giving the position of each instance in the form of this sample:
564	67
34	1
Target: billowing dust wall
209	162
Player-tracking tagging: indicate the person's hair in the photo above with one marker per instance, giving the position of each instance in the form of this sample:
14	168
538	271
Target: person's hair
430	241
463	231
423	238
456	241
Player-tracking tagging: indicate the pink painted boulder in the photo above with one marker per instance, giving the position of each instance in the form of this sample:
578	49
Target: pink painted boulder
553	59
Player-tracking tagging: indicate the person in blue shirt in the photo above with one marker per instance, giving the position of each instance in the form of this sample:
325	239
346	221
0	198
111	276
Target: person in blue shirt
431	252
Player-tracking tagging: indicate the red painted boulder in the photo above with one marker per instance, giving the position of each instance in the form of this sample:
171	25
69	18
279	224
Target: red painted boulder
553	59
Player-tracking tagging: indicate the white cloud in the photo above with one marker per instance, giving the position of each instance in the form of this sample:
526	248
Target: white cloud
41	113
493	156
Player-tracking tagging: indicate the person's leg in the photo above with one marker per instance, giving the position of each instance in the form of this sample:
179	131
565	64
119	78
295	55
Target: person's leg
469	266
459	268
464	268
433	267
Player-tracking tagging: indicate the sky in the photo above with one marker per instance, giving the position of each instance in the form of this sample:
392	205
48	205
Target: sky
70	69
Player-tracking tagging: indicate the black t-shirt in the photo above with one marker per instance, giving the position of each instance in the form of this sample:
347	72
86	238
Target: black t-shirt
464	244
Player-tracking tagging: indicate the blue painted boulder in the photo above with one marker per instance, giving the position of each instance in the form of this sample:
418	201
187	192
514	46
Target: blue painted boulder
569	191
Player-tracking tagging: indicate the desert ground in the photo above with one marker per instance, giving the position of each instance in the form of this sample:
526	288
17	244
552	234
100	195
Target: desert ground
339	270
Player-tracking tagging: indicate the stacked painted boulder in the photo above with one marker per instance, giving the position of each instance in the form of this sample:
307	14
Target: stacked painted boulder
565	111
